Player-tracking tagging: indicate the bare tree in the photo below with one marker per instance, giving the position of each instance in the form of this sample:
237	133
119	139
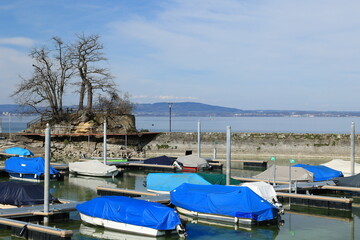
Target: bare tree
46	87
87	55
115	104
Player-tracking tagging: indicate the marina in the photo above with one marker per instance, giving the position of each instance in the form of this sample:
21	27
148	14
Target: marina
131	182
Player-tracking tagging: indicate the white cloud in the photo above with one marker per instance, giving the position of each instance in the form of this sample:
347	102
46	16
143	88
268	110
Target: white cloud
249	51
18	41
12	64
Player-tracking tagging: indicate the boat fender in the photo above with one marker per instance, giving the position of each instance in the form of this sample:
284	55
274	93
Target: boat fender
181	231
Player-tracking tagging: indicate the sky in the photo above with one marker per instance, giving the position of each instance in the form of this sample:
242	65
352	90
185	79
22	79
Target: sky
245	54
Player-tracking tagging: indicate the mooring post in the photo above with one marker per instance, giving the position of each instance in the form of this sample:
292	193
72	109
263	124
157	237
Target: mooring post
352	166
214	157
274	172
47	171
228	155
199	138
105	138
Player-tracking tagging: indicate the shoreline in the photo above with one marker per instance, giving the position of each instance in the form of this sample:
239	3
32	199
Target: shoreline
307	148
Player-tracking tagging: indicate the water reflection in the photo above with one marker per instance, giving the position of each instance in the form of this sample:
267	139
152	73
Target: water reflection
90	232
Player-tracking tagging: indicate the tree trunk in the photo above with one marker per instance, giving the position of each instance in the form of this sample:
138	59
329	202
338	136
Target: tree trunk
89	97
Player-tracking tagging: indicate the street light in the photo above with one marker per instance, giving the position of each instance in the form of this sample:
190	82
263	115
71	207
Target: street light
170	105
291	161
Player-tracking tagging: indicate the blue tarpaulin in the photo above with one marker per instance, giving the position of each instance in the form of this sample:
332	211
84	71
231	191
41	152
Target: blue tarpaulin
131	211
19	151
162	160
321	173
231	201
169	181
27	165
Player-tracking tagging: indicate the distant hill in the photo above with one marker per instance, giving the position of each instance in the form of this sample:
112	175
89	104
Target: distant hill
11	108
205	110
183	109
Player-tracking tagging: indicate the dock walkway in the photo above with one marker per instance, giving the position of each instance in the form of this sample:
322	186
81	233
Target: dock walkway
38	210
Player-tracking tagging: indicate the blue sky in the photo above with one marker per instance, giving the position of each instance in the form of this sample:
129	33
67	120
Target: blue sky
253	54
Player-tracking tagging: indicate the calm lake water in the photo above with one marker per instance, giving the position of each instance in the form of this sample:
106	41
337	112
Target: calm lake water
299	223
249	124
218	124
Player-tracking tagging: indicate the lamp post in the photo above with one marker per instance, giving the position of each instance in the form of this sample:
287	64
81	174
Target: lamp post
291	161
170	105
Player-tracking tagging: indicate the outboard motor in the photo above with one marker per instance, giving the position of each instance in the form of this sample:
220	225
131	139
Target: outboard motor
181	231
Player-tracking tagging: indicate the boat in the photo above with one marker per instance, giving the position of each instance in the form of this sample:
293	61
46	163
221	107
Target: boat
165	182
29	169
343	166
351	181
192	163
21	152
163	160
19	194
320	172
131	215
234	204
93	168
282	174
266	191
108	234
217	178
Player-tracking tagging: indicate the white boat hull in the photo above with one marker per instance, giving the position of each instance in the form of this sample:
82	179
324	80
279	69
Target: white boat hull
124	227
215	217
92	174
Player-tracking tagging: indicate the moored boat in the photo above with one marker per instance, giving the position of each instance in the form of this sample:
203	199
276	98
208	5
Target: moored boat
21	152
165	182
18	194
131	215
223	203
192	163
92	168
29	169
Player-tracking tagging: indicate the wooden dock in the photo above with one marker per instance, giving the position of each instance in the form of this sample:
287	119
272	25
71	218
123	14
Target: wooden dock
318	201
38	210
147	196
11	217
28	230
249	163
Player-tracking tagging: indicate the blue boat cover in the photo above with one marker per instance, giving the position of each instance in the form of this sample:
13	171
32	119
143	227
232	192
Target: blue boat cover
27	165
169	181
231	201
131	211
321	173
162	160
18	151
22	193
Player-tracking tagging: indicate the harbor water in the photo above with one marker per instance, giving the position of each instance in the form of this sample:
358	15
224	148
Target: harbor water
299	222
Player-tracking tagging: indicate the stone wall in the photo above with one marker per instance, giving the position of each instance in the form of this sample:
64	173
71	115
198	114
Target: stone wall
255	145
322	147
